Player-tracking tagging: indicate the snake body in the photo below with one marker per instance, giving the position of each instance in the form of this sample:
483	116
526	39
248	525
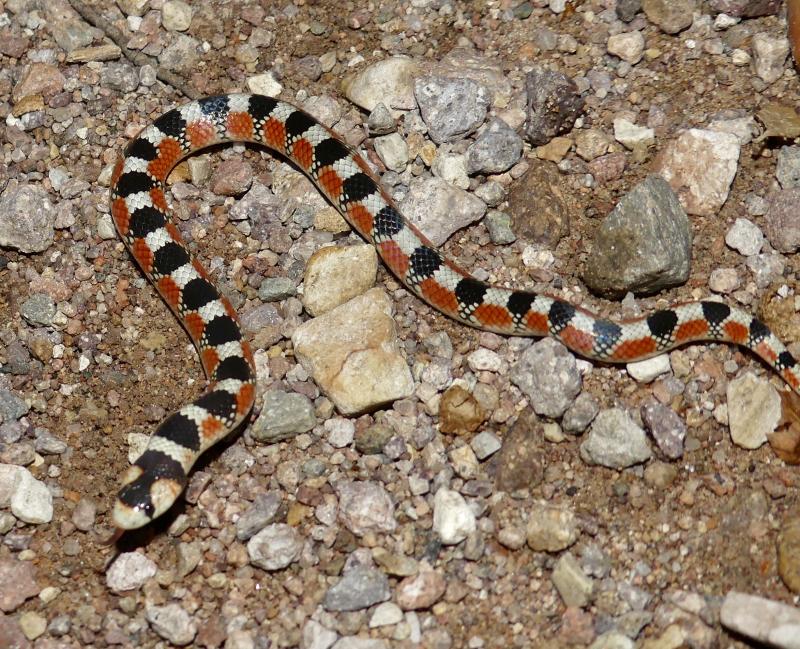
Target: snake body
142	217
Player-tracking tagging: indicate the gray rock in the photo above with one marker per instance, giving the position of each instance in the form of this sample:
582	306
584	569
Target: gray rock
71	34
130	571
17	583
316	636
283	415
627	9
666	427
745	237
643	246
788	168
365	506
38	309
782	225
275	547
615	441
439	209
27	218
182	54
495	150
766	621
451	108
672	16
258	515
12	407
122	77
48	444
580	414
572	583
359	588
499	225
83	515
485	444
172	623
380	121
554	104
769	56
548	375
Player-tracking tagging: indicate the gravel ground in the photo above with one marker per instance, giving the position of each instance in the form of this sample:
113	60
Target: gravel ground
499	492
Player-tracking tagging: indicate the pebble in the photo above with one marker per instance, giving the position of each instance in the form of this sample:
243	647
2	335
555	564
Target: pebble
643	245
83	516
380	120
420	591
17	583
459	411
336	274
754	410
496	149
554	103
548	375
769	56
38	309
724	280
632	136
700	166
485	445
359	588
352	352
451	108
316	636
788	169
264	84
274	289
12	407
591	143
788	548
365	507
629	46
499	226
32	624
627	9
29	499
550	528
176	15
649	369
172	623
393	151
27	218
439	209
275	547
580	414
283	415
671	16
612	640
452	168
745	237
390	82
453	519
666	427
385	614
571	582
763	620
782	227
615	441
130	571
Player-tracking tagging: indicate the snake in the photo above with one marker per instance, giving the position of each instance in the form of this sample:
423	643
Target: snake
142	217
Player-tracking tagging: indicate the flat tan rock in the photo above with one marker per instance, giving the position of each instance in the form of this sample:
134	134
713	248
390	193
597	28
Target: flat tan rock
353	354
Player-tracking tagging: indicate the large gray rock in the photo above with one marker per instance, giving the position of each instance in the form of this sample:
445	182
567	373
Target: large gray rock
643	246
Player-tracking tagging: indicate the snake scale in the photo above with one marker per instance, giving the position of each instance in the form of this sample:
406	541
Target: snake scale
142	217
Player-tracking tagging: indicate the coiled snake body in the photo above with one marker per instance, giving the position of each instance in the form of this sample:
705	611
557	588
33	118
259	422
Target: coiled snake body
142	217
